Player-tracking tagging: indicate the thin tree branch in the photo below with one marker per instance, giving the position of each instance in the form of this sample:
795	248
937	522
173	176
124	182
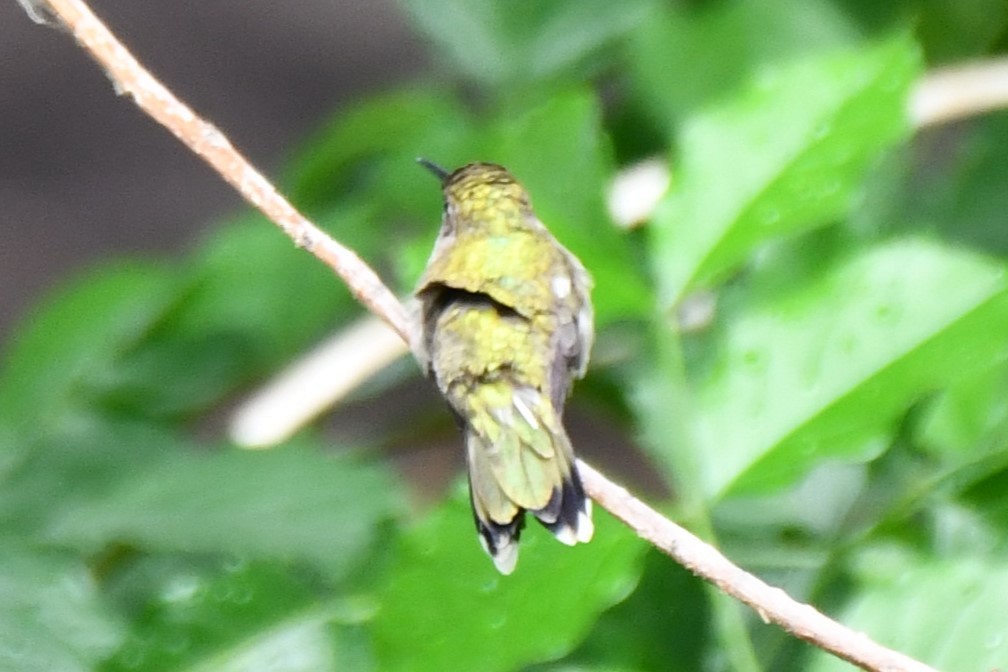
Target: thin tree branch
772	604
959	91
308	387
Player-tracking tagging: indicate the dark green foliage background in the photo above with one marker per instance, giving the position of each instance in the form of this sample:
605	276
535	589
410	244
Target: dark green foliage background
838	428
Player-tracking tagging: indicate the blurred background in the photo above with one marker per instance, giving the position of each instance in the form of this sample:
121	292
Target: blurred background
84	174
835	420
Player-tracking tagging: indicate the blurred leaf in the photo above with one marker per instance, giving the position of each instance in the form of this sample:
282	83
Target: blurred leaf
815	507
250	617
260	293
948	31
150	341
970	413
989	496
51	614
663	625
170	375
823	368
955	31
785	156
78	335
65	466
338	165
281	503
143	487
945	612
522	40
690	55
447	608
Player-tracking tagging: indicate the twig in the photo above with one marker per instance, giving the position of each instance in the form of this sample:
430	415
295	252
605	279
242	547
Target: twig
959	91
205	140
309	386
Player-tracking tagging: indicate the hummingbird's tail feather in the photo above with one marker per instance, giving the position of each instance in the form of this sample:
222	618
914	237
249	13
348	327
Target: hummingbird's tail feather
501	541
520	459
499	521
570	518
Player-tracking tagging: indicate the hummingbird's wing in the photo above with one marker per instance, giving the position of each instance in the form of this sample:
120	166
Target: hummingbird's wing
574	328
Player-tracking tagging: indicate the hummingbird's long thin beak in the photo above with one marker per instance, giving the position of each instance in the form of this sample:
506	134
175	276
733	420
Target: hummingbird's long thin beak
441	173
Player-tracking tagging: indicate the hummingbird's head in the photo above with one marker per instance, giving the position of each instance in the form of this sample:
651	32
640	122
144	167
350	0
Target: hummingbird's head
482	196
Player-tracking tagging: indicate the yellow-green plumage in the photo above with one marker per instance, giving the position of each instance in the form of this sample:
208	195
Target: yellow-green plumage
507	324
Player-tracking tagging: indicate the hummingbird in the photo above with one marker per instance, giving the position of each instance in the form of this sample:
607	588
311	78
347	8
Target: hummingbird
507	325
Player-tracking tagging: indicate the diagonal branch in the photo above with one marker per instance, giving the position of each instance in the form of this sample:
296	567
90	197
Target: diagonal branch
130	78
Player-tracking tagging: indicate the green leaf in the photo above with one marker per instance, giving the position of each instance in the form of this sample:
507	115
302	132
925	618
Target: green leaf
51	615
947	613
258	292
171	375
786	155
663	625
821	369
279	503
948	31
972	412
446	607
144	487
80	461
688	55
77	336
358	157
522	40
250	617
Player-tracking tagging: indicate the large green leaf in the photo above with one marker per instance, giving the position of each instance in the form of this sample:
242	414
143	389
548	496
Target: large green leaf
522	40
786	155
51	614
821	369
946	612
447	608
279	503
140	486
663	625
77	336
691	54
255	286
250	617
